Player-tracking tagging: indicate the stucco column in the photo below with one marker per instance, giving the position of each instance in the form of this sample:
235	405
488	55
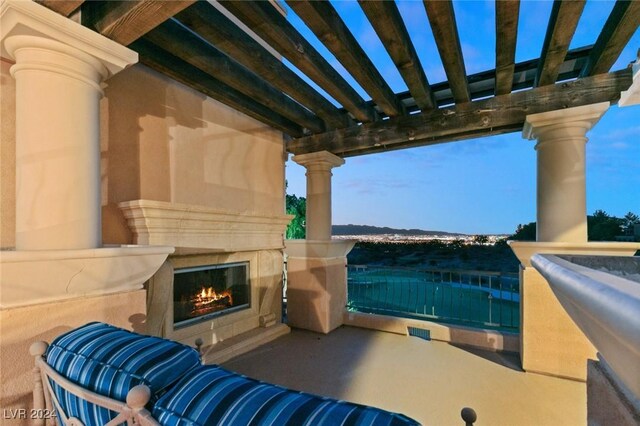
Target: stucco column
561	186
318	165
59	67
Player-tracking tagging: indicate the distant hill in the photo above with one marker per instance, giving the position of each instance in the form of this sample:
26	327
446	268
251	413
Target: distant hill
377	230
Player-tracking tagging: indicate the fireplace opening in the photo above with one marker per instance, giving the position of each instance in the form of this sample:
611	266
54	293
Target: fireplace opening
204	292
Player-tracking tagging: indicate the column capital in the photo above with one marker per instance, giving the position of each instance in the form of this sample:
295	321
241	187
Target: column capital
631	96
28	18
323	159
584	117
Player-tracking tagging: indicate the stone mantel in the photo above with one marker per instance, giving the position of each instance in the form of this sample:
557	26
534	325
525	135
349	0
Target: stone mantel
200	227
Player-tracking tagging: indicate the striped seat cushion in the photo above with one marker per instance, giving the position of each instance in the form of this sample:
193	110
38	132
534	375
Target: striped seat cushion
210	395
110	361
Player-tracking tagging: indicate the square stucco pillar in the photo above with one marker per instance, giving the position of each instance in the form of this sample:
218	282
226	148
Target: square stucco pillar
550	342
316	283
316	267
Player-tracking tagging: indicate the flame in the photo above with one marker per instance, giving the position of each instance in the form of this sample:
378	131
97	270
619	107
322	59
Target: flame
208	296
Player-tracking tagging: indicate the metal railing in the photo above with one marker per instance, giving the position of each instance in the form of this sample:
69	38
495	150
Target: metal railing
472	298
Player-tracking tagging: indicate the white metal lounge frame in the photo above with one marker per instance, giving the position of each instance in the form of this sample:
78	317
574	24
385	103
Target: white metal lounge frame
44	400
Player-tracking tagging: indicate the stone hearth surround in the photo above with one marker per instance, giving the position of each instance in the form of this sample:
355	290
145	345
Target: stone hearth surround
208	236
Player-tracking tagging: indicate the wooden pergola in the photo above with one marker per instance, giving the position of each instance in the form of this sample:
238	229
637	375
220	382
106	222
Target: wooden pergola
197	43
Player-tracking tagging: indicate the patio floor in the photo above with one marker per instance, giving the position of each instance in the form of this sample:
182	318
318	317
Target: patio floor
427	380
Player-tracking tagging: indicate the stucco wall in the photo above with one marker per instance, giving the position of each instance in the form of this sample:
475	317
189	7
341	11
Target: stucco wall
163	141
20	327
551	342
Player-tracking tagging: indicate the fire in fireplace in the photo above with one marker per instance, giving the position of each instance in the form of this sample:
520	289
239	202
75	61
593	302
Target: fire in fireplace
206	291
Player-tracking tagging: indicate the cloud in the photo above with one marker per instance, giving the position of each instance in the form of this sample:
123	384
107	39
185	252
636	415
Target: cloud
378	184
619	145
620	133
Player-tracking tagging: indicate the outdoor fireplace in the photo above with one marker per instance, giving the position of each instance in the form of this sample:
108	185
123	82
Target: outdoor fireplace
204	292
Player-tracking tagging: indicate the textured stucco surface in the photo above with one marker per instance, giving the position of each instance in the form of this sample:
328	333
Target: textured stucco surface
429	381
551	343
165	142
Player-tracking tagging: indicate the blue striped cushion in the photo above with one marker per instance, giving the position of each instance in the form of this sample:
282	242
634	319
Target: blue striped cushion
210	395
110	361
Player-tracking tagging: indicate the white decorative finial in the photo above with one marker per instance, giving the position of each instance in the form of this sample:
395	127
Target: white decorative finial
38	348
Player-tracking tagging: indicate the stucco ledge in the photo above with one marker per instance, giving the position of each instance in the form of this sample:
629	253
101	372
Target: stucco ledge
34	277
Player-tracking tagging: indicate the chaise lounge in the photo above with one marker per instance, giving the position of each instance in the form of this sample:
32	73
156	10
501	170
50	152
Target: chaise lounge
98	374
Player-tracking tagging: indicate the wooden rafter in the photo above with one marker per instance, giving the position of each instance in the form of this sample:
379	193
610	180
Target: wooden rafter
181	42
210	24
270	25
63	7
507	14
445	31
385	18
563	22
618	30
174	67
486	117
482	84
326	24
126	21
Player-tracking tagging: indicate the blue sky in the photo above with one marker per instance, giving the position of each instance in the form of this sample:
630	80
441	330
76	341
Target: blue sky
484	185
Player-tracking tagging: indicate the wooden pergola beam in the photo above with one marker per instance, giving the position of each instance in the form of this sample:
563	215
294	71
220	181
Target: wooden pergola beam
563	22
618	30
326	24
182	43
443	24
500	114
385	18
507	14
270	25
210	24
174	67
127	21
63	7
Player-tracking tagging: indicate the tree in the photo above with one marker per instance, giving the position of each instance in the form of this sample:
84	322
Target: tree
603	227
525	232
297	206
628	222
480	239
600	214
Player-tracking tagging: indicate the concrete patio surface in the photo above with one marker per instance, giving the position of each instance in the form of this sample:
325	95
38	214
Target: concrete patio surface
427	380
